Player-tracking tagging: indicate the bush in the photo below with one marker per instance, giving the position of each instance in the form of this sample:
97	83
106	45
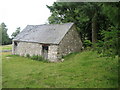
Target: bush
34	57
27	55
87	43
99	46
38	58
108	46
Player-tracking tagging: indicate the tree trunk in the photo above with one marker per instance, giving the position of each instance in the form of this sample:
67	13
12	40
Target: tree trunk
94	28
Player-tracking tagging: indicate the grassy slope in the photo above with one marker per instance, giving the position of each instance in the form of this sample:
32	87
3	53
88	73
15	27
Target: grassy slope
82	70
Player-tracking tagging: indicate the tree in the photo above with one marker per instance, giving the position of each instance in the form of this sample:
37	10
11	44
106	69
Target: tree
14	34
5	38
92	10
86	16
69	12
112	11
109	45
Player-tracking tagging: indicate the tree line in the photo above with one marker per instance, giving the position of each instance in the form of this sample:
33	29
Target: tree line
4	37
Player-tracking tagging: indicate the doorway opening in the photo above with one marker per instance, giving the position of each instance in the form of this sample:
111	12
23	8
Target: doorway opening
45	51
15	46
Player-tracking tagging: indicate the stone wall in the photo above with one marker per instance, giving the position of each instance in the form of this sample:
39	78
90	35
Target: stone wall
24	48
70	43
53	53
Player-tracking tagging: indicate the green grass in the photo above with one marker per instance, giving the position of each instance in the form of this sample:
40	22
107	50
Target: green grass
79	70
6	47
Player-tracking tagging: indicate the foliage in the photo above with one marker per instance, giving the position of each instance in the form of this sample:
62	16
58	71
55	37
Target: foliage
27	55
87	43
14	34
82	14
37	57
99	47
109	45
112	11
81	70
3	32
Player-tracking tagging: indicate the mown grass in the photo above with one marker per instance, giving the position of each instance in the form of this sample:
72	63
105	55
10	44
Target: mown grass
79	70
6	47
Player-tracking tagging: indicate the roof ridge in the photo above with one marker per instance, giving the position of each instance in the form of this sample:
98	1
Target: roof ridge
52	24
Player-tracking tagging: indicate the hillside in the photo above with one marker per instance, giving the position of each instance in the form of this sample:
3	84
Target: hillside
80	70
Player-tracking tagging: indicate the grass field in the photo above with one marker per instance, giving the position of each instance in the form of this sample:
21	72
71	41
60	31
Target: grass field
6	47
80	70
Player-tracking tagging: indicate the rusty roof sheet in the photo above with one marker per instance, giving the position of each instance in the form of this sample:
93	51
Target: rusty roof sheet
46	33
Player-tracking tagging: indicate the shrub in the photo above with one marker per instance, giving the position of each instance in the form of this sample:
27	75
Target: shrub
108	46
12	55
27	55
99	46
38	58
34	57
87	43
16	55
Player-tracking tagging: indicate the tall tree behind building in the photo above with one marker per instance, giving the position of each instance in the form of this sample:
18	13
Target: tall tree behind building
5	38
14	34
88	17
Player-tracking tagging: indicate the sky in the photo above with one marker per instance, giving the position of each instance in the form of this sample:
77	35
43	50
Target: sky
20	13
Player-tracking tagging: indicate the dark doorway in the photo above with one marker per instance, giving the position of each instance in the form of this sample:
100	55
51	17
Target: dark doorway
45	51
15	46
15	43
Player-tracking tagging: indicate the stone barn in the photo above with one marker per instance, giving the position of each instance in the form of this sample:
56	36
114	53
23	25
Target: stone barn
52	41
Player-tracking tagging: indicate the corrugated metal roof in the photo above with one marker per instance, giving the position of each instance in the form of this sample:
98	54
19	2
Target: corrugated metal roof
46	33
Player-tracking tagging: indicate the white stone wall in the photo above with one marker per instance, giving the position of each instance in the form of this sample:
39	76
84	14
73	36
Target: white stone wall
52	53
24	48
13	48
70	43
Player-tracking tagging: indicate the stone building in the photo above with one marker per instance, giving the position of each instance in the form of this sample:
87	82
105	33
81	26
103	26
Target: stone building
52	41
